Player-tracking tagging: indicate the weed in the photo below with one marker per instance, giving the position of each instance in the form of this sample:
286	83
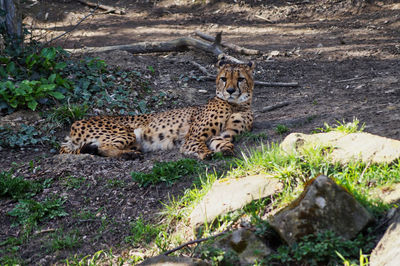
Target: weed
320	249
281	129
167	172
17	187
140	232
66	114
61	241
72	182
29	212
250	136
347	128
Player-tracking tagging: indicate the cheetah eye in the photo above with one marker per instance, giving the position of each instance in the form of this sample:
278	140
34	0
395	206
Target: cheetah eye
223	79
240	79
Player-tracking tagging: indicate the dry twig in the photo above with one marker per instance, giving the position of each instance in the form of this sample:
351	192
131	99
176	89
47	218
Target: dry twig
191	243
73	28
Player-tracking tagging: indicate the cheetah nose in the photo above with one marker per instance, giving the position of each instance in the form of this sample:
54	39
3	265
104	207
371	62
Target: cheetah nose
230	90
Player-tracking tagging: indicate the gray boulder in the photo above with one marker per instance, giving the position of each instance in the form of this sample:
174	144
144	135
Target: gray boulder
228	195
387	252
348	147
322	206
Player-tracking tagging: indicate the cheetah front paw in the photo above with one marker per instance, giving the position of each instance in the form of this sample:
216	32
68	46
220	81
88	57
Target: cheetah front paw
131	155
227	149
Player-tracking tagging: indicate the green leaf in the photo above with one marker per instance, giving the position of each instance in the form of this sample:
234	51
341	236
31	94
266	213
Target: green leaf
11	68
32	105
47	87
60	65
49	53
52	78
57	95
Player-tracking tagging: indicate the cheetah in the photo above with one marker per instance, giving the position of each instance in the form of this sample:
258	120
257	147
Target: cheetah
200	131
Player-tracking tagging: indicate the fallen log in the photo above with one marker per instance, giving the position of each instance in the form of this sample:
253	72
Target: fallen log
161	47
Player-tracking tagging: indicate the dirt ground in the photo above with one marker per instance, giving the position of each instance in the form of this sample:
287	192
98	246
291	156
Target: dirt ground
345	55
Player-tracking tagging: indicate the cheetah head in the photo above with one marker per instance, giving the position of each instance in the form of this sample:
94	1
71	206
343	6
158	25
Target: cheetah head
235	82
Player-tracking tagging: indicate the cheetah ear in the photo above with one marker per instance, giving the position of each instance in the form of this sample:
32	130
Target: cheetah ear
251	65
220	63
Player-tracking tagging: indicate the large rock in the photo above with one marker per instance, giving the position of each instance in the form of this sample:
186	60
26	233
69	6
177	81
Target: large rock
322	206
245	245
387	252
227	195
173	261
348	147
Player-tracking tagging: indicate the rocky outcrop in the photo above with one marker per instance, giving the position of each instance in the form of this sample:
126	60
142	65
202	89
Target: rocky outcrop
173	261
387	252
227	195
348	147
322	206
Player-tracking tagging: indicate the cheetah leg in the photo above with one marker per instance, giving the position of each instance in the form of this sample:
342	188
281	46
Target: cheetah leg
123	147
236	124
197	148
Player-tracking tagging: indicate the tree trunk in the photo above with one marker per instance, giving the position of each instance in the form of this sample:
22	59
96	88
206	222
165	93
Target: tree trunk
11	20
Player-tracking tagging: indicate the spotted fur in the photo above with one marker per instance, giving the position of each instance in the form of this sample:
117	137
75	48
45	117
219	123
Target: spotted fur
198	130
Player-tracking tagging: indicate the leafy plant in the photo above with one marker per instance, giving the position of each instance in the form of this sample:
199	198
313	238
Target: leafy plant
17	187
167	172
29	212
25	136
281	129
321	248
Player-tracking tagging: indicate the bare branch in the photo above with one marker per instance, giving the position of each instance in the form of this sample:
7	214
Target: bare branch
231	46
73	28
191	243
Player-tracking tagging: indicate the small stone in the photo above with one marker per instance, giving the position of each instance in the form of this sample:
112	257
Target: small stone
203	91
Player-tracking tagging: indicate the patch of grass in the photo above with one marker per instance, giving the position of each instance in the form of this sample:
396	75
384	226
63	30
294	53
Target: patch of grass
29	212
281	129
250	136
68	113
141	232
72	182
168	172
347	128
320	249
61	240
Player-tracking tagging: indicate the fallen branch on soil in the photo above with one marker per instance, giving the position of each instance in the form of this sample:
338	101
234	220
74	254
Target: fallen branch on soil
73	28
160	47
231	46
260	83
347	80
274	107
191	243
108	9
